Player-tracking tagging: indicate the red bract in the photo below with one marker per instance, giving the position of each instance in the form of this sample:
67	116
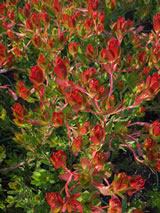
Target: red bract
113	50
142	56
136	184
56	7
120	183
13	2
37	41
149	144
11	15
137	211
55	201
97	134
94	86
2	51
58	159
42	62
72	205
19	113
102	17
76	97
77	145
90	51
155	57
36	76
2	9
71	22
84	129
155	129
103	55
95	15
60	69
35	18
86	74
152	154
153	83
18	110
149	90
73	48
92	5
111	4
114	205
57	118
156	23
99	160
29	24
45	17
23	91
27	9
121	26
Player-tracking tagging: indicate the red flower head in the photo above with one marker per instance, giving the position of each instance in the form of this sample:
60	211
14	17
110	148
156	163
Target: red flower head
58	159
142	57
95	15
92	5
98	134
153	83
60	69
76	97
2	9
2	51
94	86
13	2
155	57
103	55
84	129
120	183
29	25
113	51
11	15
156	23
72	22
23	91
73	48
86	74
137	211
35	18
90	51
36	76
55	201
121	26
57	118
72	205
27	9
136	184
149	144
99	160
45	17
37	41
56	7
102	17
88	24
77	145
114	205
155	129
42	62
19	112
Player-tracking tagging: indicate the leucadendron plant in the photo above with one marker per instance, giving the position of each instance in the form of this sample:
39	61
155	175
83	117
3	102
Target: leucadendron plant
84	76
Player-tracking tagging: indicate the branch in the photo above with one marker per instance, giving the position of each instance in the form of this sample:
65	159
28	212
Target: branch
16	166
